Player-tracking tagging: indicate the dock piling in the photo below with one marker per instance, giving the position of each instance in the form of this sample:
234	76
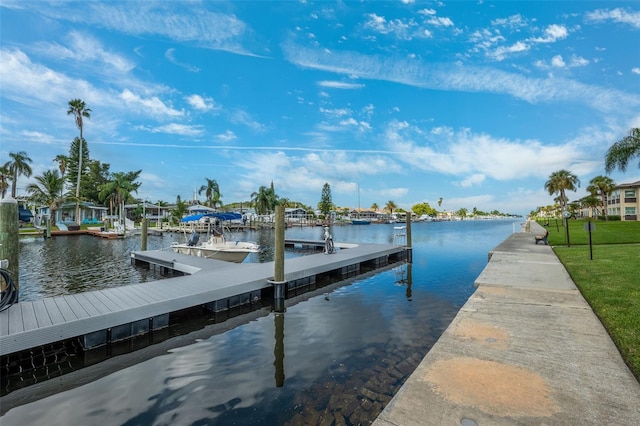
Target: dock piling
9	238
278	281
143	238
409	246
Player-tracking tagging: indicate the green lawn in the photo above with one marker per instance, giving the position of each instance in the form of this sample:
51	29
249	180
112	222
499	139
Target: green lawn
605	232
611	281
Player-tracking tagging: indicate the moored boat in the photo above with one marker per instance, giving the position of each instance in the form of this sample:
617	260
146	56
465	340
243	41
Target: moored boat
217	246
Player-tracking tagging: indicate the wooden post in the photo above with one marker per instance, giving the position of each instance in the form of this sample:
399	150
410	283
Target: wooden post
48	227
278	274
278	282
9	236
409	247
143	239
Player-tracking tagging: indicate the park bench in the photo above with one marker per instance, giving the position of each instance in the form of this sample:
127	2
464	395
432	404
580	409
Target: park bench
542	238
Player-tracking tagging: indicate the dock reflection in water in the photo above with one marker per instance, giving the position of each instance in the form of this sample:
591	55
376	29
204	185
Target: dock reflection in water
337	358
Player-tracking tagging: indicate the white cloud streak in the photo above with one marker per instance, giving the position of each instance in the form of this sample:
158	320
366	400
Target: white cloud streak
455	77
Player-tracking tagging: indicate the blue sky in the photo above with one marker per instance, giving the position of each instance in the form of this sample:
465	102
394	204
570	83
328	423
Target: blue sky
475	102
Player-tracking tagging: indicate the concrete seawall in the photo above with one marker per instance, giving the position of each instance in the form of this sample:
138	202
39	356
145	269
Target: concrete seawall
525	349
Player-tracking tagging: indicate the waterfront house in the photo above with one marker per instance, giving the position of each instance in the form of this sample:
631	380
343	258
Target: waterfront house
65	214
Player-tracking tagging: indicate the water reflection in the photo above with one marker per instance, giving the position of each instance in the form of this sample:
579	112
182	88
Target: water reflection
346	355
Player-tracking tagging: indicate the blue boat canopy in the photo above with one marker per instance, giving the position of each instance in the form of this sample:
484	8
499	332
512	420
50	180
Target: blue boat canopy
217	215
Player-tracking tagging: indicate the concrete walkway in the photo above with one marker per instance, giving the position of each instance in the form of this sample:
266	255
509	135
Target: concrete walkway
525	349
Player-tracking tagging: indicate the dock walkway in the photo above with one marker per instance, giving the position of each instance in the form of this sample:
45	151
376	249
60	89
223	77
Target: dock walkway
525	349
141	307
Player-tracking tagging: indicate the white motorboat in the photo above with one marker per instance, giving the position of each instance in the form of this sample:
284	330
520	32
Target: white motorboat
217	246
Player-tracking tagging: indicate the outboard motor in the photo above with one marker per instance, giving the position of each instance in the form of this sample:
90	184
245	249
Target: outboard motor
193	239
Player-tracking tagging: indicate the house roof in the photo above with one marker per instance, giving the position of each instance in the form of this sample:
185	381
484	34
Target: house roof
629	185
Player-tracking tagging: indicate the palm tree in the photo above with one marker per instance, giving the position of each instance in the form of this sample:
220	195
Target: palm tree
119	189
179	211
62	161
374	207
439	201
591	202
19	166
390	206
260	200
211	191
560	182
4	177
621	152
602	186
78	109
47	190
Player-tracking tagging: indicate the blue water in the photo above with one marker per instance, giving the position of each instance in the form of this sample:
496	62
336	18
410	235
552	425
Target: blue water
339	357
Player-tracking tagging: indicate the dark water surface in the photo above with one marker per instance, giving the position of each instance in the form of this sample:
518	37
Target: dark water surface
334	359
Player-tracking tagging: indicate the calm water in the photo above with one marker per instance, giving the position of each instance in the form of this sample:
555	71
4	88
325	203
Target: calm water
335	358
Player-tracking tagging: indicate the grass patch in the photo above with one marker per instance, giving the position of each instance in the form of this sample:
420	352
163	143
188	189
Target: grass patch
611	285
605	232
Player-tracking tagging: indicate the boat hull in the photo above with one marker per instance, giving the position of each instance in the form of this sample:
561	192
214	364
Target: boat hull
235	252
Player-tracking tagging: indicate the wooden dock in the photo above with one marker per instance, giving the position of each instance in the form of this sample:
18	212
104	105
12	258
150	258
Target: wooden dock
109	315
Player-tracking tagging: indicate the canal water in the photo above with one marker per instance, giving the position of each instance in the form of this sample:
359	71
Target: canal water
336	357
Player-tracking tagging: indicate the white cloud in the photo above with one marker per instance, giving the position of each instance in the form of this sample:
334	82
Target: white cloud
616	15
456	77
178	129
502	52
336	112
552	33
440	21
200	103
83	47
401	29
227	136
190	22
340	85
480	155
152	105
513	21
557	61
243	117
635	70
170	55
475	179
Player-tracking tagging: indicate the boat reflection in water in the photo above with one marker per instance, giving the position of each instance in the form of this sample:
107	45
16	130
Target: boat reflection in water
334	358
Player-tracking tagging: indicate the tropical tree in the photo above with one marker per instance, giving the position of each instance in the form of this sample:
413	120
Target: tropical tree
272	198
97	174
4	178
424	209
591	202
212	191
179	211
462	212
326	203
62	161
285	202
46	190
18	165
621	152
390	206
119	189
439	201
260	200
78	109
375	207
559	182
602	186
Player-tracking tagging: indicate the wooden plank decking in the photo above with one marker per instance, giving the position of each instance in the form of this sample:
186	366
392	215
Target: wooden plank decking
27	325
